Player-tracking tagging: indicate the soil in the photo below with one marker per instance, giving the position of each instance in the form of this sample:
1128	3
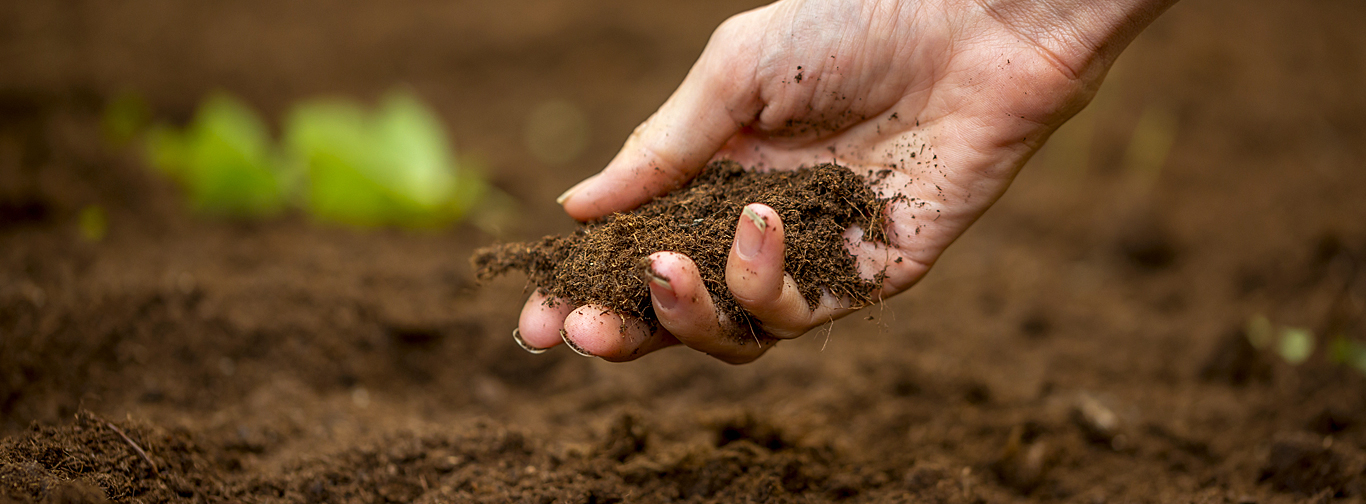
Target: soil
606	262
1086	341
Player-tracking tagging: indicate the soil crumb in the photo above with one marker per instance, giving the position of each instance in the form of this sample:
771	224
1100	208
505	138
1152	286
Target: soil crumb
606	262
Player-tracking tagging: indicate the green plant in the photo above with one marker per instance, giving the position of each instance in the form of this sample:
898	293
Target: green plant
92	223
1348	352
340	161
1295	345
125	117
392	166
224	160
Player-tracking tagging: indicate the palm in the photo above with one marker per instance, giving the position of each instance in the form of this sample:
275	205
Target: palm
953	134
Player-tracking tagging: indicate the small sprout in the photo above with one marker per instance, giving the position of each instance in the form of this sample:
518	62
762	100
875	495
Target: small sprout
92	223
340	162
1296	345
1150	144
224	160
125	117
392	166
1260	332
1348	352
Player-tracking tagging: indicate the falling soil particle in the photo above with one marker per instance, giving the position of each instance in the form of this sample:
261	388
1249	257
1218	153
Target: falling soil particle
606	262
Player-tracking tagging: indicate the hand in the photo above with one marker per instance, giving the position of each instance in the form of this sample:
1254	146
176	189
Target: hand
952	95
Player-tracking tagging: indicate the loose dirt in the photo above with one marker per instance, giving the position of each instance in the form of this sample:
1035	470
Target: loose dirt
606	262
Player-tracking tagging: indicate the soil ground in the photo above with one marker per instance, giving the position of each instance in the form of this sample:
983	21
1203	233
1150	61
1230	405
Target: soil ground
1082	343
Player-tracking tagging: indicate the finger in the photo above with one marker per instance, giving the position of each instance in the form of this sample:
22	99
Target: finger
755	276
686	310
711	105
538	329
594	331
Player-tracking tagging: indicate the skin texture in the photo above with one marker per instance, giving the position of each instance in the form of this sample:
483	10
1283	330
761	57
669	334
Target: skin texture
952	96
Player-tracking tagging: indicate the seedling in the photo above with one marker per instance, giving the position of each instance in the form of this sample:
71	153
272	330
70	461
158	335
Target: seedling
1348	352
340	162
92	223
125	117
390	167
1295	345
1260	332
224	161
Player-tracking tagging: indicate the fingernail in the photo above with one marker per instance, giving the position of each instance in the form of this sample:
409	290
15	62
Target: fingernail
574	346
749	235
661	290
563	197
517	336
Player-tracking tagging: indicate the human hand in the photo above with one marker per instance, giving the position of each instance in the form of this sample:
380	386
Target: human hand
952	95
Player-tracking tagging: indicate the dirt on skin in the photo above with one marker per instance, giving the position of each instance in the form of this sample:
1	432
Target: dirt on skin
1086	341
606	262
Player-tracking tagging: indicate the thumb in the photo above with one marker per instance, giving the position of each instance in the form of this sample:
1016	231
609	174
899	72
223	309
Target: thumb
715	100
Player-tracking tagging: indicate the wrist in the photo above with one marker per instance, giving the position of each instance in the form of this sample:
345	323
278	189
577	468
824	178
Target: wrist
1084	36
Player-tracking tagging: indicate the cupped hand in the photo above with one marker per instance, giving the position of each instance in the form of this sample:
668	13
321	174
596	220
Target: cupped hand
951	96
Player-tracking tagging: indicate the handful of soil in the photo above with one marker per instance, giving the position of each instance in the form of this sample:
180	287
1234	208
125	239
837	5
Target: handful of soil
605	262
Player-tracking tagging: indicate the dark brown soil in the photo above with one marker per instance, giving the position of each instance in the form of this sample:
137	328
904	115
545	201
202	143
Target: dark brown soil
1084	342
605	262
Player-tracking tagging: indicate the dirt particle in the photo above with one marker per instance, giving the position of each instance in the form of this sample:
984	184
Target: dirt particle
1036	326
627	437
1303	464
977	393
1098	421
1024	460
1332	419
750	429
1146	244
1235	361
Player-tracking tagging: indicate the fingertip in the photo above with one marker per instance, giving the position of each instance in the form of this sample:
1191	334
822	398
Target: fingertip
635	176
565	196
756	276
686	309
670	276
678	295
599	332
754	270
538	327
671	146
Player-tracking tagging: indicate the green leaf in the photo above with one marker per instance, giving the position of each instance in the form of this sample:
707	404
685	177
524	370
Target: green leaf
1296	345
124	117
1259	331
1349	352
92	223
224	160
390	167
346	164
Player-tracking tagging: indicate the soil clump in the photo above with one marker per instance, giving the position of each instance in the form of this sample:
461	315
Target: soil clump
606	262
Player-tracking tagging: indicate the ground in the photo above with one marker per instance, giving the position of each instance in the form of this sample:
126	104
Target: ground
1085	342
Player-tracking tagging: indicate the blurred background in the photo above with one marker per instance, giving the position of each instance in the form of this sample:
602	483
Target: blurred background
1185	253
